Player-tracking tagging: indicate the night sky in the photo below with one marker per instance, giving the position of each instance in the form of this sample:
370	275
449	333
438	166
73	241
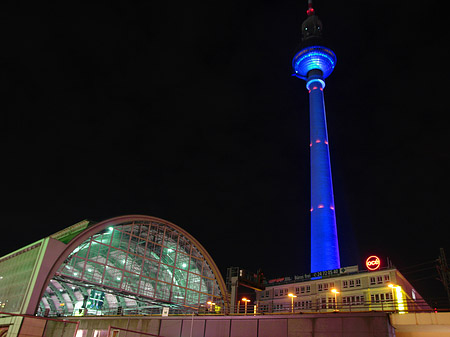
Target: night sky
187	111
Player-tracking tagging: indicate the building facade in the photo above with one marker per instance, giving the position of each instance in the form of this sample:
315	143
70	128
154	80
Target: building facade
345	289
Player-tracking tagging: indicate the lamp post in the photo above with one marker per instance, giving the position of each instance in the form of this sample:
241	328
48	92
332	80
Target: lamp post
335	292
292	296
245	300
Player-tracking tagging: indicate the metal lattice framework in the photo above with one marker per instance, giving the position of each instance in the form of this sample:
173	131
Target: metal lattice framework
138	264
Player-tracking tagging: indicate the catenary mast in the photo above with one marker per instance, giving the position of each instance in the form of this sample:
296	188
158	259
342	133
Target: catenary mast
314	63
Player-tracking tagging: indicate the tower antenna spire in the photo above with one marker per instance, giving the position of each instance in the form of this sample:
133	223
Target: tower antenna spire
310	10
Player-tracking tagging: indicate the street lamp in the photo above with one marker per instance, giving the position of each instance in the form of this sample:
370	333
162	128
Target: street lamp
245	300
335	292
292	296
210	305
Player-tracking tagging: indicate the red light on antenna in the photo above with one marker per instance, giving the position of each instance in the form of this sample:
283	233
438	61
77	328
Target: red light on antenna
310	11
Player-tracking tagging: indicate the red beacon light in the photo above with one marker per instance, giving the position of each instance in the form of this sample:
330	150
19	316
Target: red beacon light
310	10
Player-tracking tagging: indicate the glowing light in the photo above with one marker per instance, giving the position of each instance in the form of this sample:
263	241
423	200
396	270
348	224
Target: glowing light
308	84
373	263
326	142
334	291
314	57
314	64
312	209
400	303
332	207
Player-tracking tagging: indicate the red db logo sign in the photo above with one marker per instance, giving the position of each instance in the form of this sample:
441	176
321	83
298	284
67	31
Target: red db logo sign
373	262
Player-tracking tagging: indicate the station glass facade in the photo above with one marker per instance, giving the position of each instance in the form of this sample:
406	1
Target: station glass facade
133	267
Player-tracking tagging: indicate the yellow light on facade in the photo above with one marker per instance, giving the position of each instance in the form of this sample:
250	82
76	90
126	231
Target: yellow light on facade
334	291
400	303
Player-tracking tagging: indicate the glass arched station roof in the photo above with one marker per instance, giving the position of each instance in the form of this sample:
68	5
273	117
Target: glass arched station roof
132	265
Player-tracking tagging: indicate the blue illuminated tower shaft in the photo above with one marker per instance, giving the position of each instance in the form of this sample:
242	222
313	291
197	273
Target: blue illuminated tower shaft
314	63
324	239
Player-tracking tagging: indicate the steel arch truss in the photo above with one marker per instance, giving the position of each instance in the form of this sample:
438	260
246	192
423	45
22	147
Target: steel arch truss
137	265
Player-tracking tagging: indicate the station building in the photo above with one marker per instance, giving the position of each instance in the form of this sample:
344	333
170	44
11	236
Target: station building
132	264
345	289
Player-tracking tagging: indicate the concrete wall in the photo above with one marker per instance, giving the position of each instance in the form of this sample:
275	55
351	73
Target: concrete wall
426	324
314	325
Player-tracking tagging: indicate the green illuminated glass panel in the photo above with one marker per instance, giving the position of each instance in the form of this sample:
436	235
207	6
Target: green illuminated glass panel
153	251
192	298
113	277
178	294
130	282
182	261
147	287
165	273
168	256
163	291
180	277
196	266
194	282
150	268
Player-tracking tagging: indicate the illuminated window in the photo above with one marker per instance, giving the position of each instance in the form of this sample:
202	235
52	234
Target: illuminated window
308	289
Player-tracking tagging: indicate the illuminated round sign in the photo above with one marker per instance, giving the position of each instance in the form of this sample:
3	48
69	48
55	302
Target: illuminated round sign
373	262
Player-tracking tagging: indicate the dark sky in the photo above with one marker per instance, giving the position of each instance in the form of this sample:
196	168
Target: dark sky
187	111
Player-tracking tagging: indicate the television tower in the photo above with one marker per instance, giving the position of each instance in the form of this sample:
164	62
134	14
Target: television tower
314	63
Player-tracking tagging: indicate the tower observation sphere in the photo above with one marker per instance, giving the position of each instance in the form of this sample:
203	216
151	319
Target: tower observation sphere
314	63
